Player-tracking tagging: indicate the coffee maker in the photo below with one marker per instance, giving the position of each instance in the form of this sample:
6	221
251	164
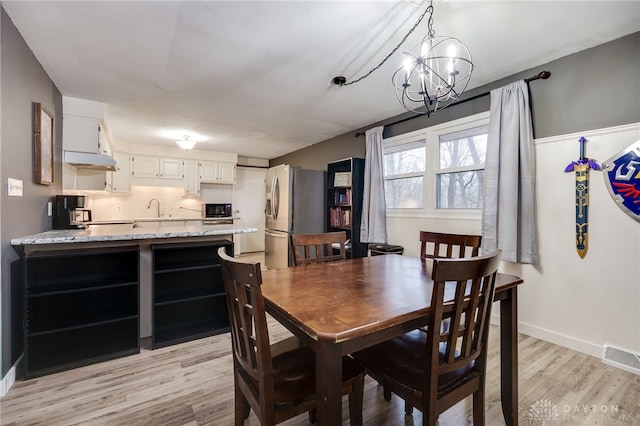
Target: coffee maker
69	212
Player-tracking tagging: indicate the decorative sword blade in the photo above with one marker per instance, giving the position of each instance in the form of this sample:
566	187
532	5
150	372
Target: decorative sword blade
582	208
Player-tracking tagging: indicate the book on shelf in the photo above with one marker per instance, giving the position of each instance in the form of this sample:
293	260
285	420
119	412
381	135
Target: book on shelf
343	197
346	218
335	217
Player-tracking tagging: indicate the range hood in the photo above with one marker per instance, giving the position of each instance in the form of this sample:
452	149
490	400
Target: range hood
86	160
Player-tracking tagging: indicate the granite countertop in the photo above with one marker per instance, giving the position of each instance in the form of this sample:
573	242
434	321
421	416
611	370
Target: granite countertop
125	232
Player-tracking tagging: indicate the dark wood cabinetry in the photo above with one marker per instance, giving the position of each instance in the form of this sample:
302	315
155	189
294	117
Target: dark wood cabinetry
81	307
189	300
345	183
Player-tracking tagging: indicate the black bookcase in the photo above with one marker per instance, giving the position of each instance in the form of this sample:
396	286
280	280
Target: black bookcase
189	300
345	183
81	307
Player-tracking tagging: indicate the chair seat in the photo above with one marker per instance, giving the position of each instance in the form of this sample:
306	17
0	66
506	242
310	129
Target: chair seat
402	358
294	366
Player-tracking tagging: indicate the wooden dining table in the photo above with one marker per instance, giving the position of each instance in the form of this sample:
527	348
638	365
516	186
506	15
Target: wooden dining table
342	307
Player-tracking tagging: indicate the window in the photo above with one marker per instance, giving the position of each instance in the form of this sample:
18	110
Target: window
404	167
437	169
459	177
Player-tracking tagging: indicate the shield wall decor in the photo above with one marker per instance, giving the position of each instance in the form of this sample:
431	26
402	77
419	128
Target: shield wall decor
622	174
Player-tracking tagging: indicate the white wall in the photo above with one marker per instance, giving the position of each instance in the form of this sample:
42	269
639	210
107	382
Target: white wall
578	303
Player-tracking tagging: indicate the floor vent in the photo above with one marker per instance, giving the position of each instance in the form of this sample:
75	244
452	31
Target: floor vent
621	358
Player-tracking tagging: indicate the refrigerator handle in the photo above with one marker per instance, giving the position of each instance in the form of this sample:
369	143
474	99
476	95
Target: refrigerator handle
277	234
272	200
276	197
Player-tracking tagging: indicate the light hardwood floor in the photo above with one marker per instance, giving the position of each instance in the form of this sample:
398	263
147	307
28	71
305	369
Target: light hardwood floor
191	384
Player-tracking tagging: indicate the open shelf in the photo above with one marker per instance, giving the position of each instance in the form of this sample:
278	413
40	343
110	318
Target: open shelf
189	301
345	183
81	307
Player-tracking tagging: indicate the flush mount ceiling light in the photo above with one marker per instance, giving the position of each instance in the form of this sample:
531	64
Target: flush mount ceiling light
185	143
433	75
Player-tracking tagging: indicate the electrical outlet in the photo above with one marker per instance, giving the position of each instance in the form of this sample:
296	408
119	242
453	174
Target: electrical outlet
118	208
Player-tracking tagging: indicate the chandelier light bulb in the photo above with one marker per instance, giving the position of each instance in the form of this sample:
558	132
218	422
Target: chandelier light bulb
452	51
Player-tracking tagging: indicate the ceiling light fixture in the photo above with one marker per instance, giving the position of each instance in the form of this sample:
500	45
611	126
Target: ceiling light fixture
433	76
185	143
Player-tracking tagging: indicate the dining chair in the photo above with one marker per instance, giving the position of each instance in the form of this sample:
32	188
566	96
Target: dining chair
434	245
318	248
434	371
277	381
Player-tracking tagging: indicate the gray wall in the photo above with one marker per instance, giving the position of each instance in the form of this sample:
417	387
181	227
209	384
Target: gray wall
23	82
592	89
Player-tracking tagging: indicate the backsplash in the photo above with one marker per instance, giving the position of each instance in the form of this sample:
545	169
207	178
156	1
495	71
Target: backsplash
105	207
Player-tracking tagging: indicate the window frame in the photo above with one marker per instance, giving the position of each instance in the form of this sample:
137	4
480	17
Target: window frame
430	136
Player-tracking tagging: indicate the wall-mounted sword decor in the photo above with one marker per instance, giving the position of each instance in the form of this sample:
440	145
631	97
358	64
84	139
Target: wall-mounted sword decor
581	167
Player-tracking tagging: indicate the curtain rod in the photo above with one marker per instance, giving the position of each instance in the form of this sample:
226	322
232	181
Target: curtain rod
542	75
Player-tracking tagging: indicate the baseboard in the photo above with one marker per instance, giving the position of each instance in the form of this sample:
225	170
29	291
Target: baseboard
7	381
556	338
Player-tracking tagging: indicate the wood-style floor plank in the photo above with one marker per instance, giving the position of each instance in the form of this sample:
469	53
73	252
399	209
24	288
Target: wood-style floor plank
191	385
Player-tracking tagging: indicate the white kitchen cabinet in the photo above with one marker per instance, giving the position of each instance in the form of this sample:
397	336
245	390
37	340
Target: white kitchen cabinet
226	172
145	166
217	172
170	168
80	134
119	182
191	177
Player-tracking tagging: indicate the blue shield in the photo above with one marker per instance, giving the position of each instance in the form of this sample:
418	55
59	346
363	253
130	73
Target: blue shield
622	174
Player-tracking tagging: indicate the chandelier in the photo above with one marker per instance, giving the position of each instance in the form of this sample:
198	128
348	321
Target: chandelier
433	75
185	143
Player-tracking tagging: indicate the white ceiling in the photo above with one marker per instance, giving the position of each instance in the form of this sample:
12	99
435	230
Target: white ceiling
254	77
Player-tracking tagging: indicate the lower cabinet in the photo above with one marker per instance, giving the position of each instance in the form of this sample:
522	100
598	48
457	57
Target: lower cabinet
81	307
189	300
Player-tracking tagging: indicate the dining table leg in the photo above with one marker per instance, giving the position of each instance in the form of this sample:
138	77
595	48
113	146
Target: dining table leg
328	384
509	356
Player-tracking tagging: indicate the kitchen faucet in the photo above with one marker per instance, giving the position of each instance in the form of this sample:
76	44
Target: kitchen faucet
158	208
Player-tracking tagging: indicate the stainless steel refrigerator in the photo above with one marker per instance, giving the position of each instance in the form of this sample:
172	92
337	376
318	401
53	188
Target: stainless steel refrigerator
295	205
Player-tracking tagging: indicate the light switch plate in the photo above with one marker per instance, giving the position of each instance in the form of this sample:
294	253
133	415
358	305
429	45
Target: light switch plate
50	208
14	187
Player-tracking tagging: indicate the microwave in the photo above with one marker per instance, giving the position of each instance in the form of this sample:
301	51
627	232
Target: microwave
216	210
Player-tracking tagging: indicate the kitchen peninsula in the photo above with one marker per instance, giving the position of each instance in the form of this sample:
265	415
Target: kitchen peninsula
90	294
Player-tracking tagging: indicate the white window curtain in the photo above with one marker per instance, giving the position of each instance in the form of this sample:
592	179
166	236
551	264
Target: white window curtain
508	217
373	227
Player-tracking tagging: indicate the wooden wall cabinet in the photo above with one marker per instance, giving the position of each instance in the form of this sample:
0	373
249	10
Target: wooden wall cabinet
345	183
81	307
189	300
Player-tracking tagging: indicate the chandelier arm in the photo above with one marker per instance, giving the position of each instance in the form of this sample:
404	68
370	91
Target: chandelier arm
395	49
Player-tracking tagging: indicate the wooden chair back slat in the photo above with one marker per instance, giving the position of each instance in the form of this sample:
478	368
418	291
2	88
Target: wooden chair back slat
436	245
317	248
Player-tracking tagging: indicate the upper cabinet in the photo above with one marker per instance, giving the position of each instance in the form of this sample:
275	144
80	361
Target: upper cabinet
119	182
156	167
217	172
191	177
81	134
84	137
